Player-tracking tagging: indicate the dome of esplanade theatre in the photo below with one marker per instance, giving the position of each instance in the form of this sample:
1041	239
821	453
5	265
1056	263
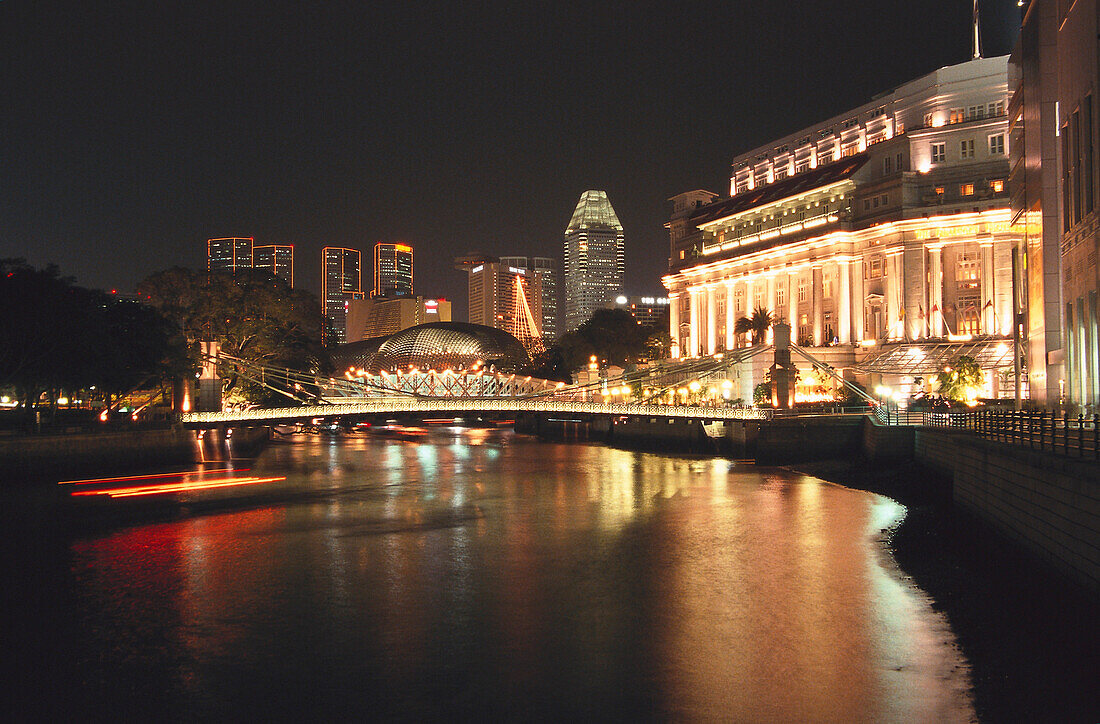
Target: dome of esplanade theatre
436	345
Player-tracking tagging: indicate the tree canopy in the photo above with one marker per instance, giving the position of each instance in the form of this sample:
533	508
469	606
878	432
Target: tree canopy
961	381
757	325
59	336
613	336
252	315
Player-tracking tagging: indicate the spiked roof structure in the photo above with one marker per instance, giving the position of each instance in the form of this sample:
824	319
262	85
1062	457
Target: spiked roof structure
594	212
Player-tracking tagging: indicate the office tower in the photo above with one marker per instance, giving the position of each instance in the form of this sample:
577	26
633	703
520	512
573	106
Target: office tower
275	258
341	282
393	270
593	261
379	316
228	254
647	311
504	296
542	288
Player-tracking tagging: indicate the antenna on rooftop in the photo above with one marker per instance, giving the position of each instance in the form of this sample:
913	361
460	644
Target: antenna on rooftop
977	34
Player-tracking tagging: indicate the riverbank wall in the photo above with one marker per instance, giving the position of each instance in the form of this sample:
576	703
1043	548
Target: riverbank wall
30	459
1046	504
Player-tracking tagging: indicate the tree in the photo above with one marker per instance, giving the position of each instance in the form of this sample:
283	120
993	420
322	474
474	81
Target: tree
252	315
961	381
757	325
612	335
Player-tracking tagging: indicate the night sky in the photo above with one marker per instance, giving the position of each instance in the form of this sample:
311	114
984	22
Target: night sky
132	132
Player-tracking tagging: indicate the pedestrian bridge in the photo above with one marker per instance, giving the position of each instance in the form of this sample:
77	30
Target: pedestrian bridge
471	405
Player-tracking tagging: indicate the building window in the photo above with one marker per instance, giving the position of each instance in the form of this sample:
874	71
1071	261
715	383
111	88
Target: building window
939	191
939	152
867	204
900	167
799	168
975	113
958	115
876	268
996	109
801	290
966	189
997	144
966	148
927	120
780	297
998	185
875	204
885	199
887	165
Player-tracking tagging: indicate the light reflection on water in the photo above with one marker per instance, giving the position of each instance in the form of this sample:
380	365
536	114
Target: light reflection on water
474	572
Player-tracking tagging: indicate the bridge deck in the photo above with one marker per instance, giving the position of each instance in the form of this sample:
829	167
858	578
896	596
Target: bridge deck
406	405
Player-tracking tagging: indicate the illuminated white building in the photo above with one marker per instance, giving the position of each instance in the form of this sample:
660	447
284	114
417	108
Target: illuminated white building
883	233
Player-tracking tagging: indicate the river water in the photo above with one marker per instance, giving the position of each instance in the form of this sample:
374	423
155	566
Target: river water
472	572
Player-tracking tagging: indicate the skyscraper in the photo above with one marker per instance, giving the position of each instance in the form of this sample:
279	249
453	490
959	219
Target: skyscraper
341	281
229	254
393	270
542	287
506	296
275	258
593	260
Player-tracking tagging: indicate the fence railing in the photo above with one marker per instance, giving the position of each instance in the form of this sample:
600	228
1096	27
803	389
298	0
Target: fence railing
1045	430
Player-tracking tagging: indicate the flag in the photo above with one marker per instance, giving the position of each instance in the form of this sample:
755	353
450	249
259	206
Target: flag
921	308
988	304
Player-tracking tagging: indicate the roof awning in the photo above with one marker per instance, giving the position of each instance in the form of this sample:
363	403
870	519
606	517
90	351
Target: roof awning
927	358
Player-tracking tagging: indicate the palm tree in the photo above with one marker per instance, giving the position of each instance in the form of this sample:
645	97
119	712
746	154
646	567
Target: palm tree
742	326
759	324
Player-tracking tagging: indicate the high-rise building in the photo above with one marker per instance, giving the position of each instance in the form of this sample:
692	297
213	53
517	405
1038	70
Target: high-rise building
393	270
341	282
229	254
1055	131
542	291
379	316
593	261
275	258
883	236
647	311
506	297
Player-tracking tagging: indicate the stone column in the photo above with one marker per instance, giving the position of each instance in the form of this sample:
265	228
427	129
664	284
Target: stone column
844	302
729	315
858	305
747	312
769	302
893	295
693	322
674	323
712	319
987	301
818	294
935	291
792	303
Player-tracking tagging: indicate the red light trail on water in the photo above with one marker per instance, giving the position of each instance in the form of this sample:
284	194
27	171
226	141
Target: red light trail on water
176	483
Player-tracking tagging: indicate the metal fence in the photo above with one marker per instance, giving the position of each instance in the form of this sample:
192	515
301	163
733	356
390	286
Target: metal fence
1045	430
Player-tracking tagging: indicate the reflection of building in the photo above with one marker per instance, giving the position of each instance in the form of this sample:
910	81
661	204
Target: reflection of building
379	316
229	254
436	345
275	258
648	311
542	291
594	259
341	282
393	270
886	225
1054	194
507	297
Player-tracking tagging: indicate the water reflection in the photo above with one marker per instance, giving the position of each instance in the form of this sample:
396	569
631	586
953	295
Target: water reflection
484	574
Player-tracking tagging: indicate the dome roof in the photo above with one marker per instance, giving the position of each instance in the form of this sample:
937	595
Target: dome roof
436	345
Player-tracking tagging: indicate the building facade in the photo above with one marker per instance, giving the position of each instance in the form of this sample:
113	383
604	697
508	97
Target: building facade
1055	136
379	316
593	260
647	311
393	270
542	291
884	229
505	296
275	258
341	282
229	254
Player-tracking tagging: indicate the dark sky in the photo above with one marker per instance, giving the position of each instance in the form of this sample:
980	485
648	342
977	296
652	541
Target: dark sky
132	132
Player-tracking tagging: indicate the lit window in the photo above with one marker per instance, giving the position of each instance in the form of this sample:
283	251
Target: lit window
966	148
998	185
927	120
939	191
966	189
958	115
997	144
939	152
